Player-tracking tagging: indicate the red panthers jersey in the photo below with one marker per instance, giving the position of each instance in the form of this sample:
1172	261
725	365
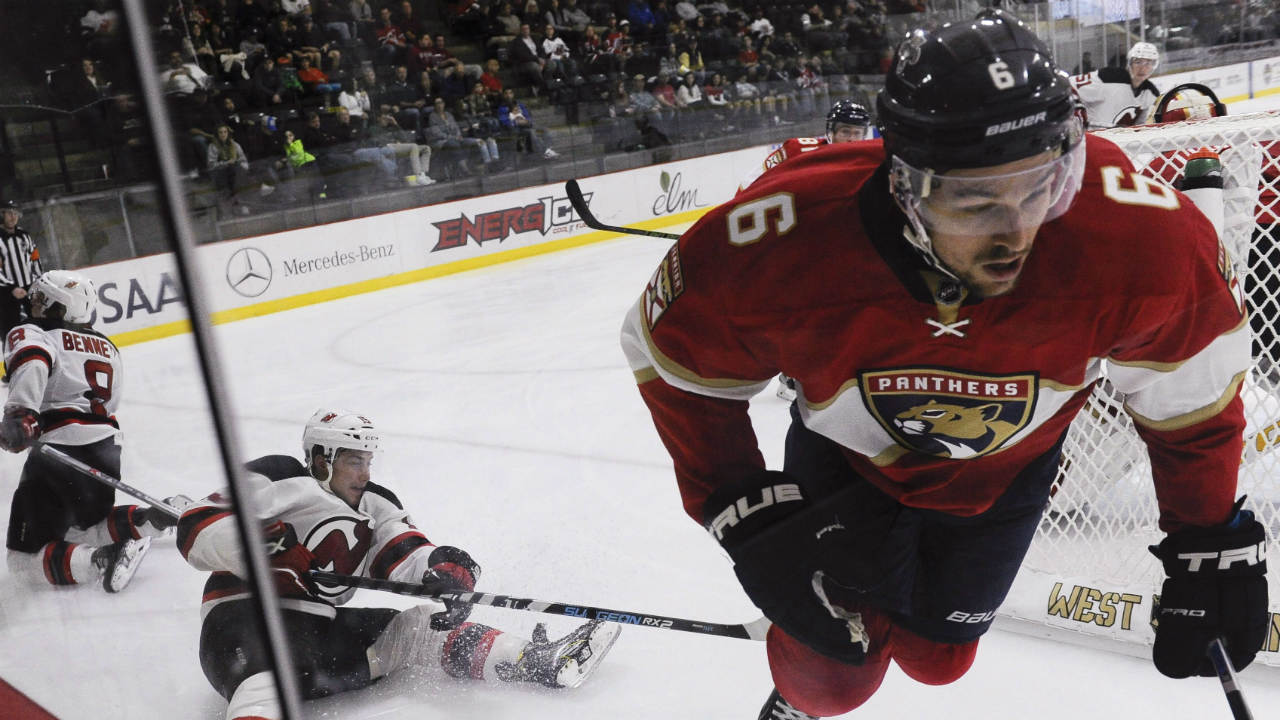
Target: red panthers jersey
937	397
789	149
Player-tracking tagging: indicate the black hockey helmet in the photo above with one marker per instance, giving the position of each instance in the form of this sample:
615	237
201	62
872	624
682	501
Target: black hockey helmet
974	94
846	112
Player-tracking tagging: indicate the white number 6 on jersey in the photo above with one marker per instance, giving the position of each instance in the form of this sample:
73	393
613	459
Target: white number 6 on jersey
1000	75
750	221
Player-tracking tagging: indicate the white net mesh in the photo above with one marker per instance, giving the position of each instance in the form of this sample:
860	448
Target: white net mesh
1088	570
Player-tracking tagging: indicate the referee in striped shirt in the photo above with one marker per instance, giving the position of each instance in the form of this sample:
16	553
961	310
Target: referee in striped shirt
19	267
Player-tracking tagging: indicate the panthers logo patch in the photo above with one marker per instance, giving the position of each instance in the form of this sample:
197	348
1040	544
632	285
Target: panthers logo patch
949	414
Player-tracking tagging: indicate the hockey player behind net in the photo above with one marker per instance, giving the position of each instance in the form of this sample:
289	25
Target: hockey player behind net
329	514
64	389
945	299
1116	97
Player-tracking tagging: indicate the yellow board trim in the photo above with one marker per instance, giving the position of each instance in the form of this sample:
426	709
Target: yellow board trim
179	327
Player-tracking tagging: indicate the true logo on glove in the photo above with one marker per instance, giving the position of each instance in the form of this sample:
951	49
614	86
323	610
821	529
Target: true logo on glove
1249	555
739	510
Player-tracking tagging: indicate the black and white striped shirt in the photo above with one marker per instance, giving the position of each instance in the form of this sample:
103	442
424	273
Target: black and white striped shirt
19	258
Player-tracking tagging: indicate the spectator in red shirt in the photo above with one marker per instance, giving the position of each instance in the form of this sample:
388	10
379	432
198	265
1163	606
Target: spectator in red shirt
313	79
391	40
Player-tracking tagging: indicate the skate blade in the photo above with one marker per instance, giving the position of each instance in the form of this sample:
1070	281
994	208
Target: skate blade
599	642
127	564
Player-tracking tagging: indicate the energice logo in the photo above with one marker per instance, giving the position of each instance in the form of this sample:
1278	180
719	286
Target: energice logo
249	271
549	215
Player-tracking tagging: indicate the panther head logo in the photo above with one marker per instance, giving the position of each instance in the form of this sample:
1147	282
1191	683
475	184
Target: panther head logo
954	431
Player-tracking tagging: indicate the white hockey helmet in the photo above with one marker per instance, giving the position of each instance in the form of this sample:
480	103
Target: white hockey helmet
71	290
1143	51
333	430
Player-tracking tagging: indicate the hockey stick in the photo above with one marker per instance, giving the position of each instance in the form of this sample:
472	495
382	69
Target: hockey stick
754	630
1227	676
584	213
106	479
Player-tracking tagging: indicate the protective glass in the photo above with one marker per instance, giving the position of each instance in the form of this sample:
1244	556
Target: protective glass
968	202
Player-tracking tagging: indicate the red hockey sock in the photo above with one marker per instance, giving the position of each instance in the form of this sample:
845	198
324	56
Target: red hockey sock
930	662
818	685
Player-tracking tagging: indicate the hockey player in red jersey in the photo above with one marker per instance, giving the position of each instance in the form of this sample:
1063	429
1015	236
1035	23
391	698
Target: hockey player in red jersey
64	389
847	121
945	300
330	515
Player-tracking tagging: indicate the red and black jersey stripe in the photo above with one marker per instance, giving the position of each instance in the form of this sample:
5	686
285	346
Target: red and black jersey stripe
394	552
123	521
26	355
193	522
65	416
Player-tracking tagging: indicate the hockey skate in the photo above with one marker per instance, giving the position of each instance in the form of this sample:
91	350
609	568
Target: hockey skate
775	708
119	561
564	663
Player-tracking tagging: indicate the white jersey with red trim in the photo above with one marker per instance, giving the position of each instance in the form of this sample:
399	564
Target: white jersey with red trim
1111	100
70	375
788	149
376	539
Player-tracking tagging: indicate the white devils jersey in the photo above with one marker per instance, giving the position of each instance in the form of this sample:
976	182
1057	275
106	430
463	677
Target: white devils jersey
376	540
71	377
1111	100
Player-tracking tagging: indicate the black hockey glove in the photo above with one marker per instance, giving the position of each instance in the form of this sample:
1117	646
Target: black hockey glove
1216	586
19	428
291	561
452	570
775	536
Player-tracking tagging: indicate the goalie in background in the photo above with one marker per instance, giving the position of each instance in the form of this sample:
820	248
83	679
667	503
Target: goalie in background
329	514
1118	97
945	299
64	389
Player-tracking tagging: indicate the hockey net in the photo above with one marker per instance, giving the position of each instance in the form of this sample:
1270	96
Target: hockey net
1088	576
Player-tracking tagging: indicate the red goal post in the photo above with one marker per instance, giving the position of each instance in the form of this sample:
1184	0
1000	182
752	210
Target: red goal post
1088	576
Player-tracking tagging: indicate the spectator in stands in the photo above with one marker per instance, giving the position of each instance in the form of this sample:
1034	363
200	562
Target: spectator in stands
718	102
409	23
665	94
476	116
526	59
298	168
362	15
314	79
761	26
357	103
84	92
197	118
617	42
389	134
669	61
196	44
556	51
181	78
316	138
447	141
1086	64
261	146
576	18
531	14
504	28
403	99
294	8
100	29
517	121
268	84
690	61
749	101
129	139
421	56
391	42
335	17
747	57
691	103
642	20
490	79
452	86
810	88
228	167
361	150
311	40
279	41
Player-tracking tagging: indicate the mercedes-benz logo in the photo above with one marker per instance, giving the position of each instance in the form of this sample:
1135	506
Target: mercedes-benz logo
249	271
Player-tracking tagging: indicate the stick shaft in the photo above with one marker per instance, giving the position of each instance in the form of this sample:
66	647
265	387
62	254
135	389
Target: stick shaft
1227	676
750	631
584	213
106	479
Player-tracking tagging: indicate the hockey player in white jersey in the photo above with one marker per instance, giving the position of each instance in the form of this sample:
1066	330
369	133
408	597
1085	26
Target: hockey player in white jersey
329	515
1115	97
65	383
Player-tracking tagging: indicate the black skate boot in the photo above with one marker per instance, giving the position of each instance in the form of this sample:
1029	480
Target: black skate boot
564	663
775	708
119	561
